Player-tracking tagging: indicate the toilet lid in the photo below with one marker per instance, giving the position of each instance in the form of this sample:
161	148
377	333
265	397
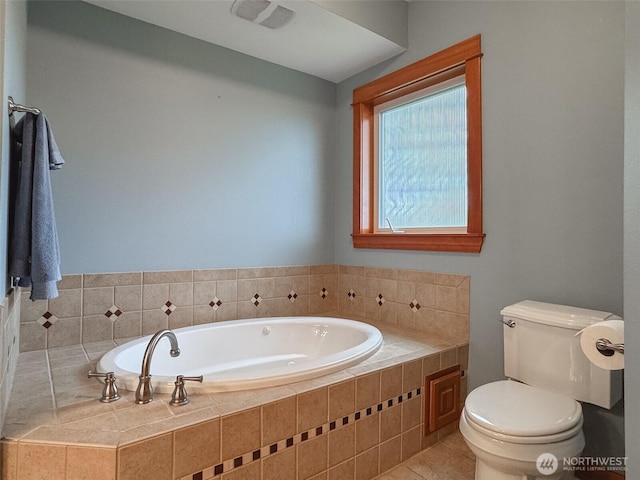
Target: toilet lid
516	409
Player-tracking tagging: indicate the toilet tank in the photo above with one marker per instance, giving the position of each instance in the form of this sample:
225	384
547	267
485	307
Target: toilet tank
542	350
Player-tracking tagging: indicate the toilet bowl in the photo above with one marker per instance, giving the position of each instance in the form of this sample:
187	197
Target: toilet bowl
512	428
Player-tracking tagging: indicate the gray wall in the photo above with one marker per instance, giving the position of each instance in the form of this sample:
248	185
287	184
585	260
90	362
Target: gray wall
180	154
632	235
553	85
13	58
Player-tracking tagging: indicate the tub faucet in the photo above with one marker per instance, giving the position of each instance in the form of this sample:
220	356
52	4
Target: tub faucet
144	392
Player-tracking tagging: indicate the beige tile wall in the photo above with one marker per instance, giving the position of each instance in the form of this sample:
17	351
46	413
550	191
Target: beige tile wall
434	303
9	339
99	307
362	447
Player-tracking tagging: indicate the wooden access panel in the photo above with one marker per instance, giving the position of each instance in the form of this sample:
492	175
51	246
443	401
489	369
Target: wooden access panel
442	399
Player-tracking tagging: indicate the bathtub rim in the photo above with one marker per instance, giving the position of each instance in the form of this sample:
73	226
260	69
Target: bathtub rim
128	380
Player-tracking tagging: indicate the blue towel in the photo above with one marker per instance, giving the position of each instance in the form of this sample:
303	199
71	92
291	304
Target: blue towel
34	255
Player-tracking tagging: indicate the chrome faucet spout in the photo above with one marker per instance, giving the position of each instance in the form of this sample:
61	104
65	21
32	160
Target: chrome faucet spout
144	392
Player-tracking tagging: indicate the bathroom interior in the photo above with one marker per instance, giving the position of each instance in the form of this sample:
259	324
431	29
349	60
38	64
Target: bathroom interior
188	163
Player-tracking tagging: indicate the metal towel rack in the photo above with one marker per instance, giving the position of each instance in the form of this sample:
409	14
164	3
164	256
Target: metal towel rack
16	107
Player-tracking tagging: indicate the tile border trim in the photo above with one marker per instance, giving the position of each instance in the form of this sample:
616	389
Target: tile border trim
230	464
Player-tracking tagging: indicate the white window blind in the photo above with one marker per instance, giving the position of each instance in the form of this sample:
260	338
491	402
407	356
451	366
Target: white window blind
422	161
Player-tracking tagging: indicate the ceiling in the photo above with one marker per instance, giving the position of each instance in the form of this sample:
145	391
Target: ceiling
316	41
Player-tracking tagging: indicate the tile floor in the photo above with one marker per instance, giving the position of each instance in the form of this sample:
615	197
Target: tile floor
450	459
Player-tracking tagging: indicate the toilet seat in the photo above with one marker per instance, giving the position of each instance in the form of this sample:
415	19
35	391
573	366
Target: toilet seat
530	440
517	413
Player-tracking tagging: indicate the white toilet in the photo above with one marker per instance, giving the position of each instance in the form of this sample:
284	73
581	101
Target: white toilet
525	430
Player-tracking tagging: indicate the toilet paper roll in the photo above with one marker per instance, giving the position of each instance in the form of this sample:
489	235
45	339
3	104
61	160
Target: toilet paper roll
612	330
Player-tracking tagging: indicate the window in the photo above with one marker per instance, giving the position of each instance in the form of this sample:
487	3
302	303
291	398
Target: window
420	161
418	155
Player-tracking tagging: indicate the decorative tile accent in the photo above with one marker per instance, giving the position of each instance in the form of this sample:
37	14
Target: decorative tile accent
256	299
381	299
351	294
47	319
227	465
215	303
292	296
324	292
114	312
168	308
414	306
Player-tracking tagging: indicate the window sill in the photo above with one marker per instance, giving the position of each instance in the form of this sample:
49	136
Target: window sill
462	242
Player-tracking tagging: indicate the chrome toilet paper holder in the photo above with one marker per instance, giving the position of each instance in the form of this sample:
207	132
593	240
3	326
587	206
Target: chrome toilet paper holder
606	348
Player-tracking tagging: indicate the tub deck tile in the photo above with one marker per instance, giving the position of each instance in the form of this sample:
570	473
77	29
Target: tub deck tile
73	436
75	417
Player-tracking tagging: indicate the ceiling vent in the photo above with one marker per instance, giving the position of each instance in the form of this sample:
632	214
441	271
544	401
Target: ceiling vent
265	13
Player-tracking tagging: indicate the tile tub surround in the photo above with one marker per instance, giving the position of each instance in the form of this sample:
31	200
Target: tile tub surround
111	306
351	424
9	325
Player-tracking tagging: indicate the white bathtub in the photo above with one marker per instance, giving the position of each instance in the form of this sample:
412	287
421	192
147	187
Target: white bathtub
247	354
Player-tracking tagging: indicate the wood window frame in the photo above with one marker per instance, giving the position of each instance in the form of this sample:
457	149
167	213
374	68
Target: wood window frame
461	58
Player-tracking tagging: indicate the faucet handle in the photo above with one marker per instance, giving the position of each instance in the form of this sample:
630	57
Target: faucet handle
179	395
110	390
